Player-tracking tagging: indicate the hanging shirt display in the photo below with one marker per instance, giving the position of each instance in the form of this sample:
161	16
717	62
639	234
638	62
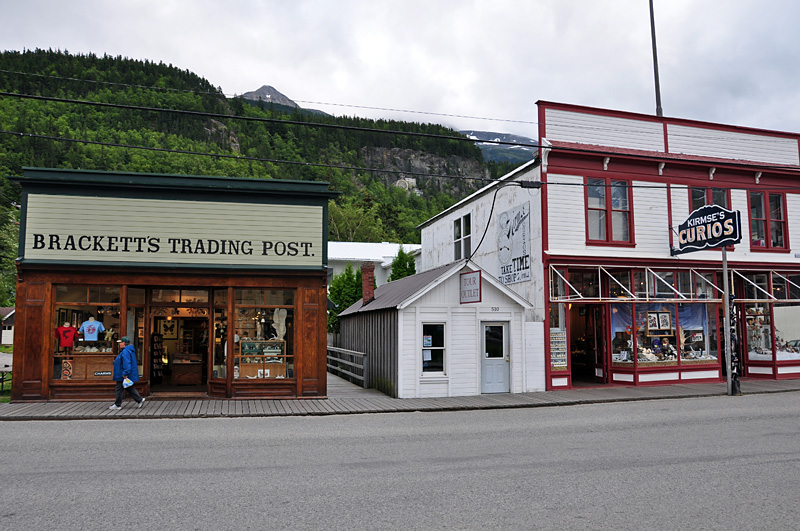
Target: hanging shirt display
66	335
90	329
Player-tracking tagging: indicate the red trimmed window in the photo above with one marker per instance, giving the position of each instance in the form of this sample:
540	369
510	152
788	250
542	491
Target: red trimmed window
768	221
708	196
609	218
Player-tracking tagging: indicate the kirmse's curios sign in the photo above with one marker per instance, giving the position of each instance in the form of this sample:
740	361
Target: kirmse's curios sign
708	227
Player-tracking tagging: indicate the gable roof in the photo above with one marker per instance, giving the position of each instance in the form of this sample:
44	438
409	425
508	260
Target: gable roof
404	292
6	312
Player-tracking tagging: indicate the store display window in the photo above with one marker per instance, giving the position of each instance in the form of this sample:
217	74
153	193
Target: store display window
85	332
758	332
622	353
558	337
697	333
656	338
263	334
787	331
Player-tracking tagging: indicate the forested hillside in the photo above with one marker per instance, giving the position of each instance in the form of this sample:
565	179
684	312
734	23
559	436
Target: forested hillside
125	128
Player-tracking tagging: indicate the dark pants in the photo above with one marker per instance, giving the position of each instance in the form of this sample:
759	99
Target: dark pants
131	391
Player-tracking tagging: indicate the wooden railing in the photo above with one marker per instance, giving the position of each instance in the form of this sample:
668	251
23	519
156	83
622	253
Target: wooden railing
349	365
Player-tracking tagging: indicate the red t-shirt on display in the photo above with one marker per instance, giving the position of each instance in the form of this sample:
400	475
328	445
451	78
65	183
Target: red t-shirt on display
66	335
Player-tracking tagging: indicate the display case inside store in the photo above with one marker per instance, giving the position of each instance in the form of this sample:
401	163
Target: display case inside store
758	332
262	359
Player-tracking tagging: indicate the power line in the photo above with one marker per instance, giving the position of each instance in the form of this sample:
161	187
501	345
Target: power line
241	157
228	95
202	114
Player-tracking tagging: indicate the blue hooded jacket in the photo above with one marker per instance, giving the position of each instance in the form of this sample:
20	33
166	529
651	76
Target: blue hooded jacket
125	364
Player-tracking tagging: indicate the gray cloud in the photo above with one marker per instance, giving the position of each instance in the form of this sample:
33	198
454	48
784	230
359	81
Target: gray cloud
731	62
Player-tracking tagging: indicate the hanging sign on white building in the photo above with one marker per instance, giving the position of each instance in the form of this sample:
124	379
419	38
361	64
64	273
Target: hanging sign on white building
708	227
470	287
513	244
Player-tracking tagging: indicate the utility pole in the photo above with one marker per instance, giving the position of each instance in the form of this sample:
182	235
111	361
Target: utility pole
655	60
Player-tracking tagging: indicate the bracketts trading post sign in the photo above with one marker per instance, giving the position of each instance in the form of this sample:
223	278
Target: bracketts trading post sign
708	227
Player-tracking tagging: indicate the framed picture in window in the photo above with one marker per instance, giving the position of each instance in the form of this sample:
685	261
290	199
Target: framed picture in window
665	321
652	321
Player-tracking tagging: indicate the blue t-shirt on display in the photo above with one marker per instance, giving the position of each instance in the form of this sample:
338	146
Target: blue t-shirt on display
90	329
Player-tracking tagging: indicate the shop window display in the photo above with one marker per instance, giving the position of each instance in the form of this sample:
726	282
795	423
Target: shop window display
558	337
787	331
86	328
656	343
621	339
697	333
758	332
264	346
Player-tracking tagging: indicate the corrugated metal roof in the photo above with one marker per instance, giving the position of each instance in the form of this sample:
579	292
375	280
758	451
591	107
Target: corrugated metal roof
362	252
393	294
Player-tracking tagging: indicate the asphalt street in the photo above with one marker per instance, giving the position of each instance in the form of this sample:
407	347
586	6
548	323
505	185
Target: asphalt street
705	463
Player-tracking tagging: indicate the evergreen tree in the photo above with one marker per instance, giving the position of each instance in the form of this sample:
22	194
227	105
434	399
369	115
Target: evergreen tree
345	290
403	265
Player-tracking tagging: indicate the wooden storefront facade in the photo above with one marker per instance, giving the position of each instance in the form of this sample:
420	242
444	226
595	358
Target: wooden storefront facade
220	283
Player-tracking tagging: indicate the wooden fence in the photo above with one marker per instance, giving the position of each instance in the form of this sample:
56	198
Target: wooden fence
349	364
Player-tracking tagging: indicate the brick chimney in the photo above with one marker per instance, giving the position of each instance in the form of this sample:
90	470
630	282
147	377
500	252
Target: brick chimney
368	282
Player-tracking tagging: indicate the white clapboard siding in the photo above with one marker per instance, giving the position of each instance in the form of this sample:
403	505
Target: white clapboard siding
464	352
584	128
534	357
793	221
650	219
409	352
566	218
705	142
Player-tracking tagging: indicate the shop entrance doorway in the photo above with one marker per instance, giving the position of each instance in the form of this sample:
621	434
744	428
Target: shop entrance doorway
587	335
179	353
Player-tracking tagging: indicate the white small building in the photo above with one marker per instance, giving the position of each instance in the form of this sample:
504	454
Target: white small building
7	318
381	254
451	331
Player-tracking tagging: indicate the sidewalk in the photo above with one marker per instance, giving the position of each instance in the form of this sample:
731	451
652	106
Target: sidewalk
346	398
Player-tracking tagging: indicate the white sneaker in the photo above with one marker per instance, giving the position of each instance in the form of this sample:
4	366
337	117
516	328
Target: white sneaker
140	404
114	406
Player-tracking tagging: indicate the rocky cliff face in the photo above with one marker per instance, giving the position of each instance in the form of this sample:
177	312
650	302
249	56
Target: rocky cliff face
415	162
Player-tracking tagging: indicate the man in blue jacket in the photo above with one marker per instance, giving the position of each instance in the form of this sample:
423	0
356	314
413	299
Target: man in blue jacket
126	366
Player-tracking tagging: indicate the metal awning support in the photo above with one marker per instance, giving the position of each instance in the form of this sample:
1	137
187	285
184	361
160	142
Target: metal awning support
568	298
704	279
765	292
784	278
612	277
667	284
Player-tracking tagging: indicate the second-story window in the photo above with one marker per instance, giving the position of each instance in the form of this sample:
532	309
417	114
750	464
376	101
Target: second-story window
767	221
462	237
608	211
708	196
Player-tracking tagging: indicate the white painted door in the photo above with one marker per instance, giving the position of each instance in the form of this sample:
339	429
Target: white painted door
495	372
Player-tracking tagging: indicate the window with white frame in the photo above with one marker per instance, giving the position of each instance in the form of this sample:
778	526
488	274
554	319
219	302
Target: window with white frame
462	237
433	347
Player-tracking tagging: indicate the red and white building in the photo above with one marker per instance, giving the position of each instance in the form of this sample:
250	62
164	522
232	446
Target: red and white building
591	248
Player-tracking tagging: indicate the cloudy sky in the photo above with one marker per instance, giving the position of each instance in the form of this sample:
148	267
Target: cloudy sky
731	61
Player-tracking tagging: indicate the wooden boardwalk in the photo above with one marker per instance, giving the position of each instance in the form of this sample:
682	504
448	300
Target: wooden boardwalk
345	398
